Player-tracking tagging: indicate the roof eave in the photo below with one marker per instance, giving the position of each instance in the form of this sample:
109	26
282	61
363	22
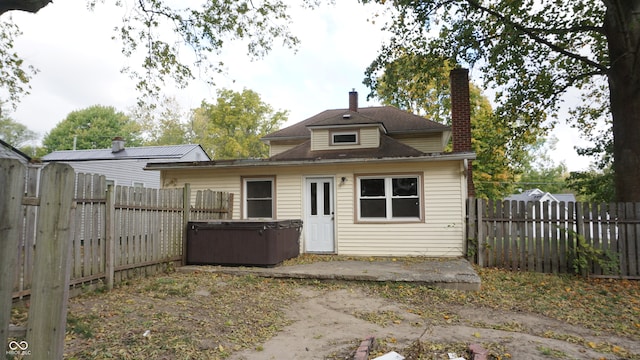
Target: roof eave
259	163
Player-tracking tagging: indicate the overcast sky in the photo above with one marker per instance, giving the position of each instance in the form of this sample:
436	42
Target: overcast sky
80	66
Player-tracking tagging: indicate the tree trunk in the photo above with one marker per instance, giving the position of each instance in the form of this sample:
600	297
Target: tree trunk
622	27
32	6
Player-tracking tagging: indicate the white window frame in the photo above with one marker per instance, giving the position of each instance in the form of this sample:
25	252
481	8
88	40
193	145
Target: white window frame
388	196
352	132
246	200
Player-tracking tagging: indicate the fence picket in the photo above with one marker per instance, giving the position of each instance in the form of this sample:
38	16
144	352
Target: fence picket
12	174
543	237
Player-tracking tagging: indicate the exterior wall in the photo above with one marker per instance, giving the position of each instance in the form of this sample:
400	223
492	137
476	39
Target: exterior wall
441	234
427	144
368	137
276	149
121	172
197	154
319	139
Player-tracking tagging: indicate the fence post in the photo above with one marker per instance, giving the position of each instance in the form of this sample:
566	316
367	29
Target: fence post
185	220
110	229
50	291
12	177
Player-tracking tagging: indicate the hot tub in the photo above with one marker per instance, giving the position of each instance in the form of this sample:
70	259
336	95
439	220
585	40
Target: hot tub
242	242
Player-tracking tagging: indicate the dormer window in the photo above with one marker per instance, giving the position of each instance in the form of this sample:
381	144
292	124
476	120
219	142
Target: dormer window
344	138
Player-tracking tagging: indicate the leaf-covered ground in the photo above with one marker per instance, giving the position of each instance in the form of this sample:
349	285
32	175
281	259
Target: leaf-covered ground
177	316
215	316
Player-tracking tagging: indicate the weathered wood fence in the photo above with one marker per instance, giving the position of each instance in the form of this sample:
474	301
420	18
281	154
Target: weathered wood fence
146	227
555	237
58	227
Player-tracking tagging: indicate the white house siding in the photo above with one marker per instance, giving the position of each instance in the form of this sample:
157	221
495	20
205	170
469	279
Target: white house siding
441	233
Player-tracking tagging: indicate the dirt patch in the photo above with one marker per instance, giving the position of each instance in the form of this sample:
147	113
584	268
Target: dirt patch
216	316
330	324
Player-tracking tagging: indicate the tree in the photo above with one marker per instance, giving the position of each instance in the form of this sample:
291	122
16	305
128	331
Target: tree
162	125
92	128
160	32
541	171
420	84
15	133
232	127
532	52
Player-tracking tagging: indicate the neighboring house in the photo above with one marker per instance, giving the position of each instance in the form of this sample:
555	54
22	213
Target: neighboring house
9	152
557	212
370	181
125	166
541	196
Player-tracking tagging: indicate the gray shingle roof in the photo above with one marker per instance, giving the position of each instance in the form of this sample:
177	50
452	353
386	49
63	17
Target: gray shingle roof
8	151
394	120
143	152
389	148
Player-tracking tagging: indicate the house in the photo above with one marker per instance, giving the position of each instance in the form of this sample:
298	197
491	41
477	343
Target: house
9	152
372	181
124	166
541	196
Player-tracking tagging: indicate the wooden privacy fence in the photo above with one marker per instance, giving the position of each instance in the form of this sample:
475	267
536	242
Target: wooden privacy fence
118	232
59	229
556	237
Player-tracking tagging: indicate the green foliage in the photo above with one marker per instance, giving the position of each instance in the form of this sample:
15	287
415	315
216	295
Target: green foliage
162	125
531	54
15	133
162	30
540	171
14	73
585	255
232	127
593	185
420	84
93	128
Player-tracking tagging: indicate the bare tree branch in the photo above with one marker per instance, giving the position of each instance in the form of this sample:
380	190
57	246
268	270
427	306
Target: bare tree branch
538	39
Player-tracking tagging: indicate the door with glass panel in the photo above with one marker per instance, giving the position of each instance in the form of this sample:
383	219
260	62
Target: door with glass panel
319	215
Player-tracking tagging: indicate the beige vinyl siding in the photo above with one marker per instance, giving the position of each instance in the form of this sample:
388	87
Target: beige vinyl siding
276	149
319	139
440	234
427	144
368	137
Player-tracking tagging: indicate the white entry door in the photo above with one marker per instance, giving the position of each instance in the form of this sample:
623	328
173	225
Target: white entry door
319	215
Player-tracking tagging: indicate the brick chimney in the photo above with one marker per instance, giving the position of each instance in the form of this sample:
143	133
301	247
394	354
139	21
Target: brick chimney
353	100
461	118
117	144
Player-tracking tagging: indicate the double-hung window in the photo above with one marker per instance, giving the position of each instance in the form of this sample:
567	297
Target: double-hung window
258	198
389	198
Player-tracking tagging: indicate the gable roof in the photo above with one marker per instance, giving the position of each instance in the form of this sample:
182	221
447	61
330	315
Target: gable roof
539	195
394	120
142	152
8	151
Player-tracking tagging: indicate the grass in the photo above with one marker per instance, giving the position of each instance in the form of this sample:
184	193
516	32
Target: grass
211	316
